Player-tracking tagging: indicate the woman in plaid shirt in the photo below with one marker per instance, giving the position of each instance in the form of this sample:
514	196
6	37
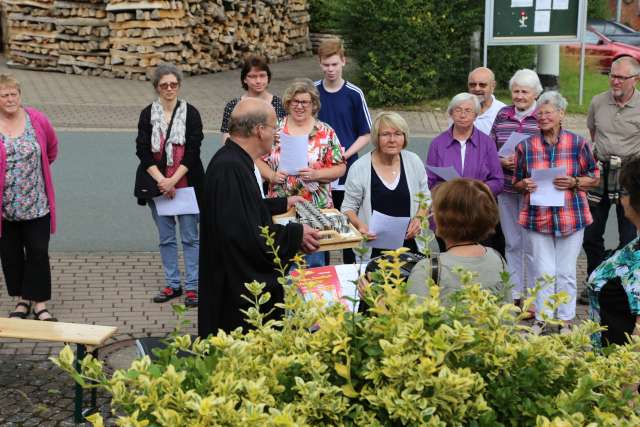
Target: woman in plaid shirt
555	232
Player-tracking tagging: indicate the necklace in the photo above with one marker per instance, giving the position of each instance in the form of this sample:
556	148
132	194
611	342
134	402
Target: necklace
462	244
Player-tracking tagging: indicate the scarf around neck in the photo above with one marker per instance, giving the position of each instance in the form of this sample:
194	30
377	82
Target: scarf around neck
159	128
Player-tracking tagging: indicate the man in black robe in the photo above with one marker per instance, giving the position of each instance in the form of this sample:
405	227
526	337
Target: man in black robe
232	250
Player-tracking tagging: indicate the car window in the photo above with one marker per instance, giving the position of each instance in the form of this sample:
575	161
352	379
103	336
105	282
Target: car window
597	25
591	37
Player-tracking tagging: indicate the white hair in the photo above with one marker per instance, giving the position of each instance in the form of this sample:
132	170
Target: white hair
463	97
633	63
527	78
554	98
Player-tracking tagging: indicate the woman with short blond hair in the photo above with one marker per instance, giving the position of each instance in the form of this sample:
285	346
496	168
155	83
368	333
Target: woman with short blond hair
28	145
386	180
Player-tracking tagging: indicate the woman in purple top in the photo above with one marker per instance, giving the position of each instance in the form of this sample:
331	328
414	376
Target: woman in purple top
28	145
471	153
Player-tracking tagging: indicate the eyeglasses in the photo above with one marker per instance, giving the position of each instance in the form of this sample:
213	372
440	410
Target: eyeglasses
621	78
623	192
389	135
459	110
165	86
298	103
481	85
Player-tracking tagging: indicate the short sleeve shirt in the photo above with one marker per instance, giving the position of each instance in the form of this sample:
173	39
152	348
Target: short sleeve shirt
616	129
324	152
276	103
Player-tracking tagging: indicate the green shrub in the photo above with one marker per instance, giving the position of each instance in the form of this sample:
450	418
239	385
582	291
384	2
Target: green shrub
506	60
325	15
409	362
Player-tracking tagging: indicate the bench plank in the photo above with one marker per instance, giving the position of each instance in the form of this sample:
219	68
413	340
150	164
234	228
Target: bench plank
76	333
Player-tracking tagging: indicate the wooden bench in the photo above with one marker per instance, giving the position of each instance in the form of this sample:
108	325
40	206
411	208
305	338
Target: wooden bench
88	338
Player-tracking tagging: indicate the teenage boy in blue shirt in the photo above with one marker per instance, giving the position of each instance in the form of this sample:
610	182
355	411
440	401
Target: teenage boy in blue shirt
343	107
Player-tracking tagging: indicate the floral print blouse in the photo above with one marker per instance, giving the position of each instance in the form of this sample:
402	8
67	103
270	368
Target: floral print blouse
324	151
24	196
624	264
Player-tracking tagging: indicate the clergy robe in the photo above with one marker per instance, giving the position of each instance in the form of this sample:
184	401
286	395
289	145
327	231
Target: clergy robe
232	250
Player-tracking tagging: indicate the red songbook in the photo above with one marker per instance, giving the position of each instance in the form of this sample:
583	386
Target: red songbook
321	283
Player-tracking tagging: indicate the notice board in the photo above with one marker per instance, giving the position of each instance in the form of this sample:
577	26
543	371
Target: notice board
518	22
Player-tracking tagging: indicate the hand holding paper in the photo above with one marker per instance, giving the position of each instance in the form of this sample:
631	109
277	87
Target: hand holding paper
509	147
547	194
183	203
293	153
389	230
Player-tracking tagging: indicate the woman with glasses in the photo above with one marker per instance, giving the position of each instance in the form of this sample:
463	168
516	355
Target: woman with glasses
168	146
386	180
325	156
614	286
554	229
464	151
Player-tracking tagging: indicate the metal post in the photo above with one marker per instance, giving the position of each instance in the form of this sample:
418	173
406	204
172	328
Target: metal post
581	90
618	10
77	414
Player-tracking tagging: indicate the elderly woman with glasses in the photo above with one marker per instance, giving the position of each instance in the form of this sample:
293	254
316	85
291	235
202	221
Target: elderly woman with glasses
386	180
168	146
614	286
325	156
464	150
555	230
511	121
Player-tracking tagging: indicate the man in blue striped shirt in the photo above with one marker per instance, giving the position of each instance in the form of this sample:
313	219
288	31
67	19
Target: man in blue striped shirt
343	107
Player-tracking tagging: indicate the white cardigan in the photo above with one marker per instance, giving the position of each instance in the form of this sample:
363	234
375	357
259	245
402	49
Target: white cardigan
357	194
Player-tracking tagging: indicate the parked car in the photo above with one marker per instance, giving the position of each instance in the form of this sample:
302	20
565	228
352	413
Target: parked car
615	31
601	51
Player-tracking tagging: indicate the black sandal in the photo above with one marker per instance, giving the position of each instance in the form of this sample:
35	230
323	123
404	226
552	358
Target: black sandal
36	315
21	314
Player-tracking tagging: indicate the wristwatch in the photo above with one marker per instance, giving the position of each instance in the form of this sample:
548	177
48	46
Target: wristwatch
576	183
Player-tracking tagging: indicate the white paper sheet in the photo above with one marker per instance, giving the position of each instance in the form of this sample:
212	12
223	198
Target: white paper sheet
182	204
509	147
543	4
447	173
521	3
542	22
389	230
293	153
561	4
348	274
546	193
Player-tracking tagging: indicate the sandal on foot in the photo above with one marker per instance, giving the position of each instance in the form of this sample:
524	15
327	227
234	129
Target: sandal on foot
21	314
36	315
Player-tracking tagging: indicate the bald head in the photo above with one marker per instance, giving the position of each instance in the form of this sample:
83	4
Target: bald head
249	113
481	83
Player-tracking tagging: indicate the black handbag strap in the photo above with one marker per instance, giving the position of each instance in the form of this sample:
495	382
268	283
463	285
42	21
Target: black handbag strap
166	138
435	269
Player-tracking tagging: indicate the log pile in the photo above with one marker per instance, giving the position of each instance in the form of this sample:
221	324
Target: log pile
127	38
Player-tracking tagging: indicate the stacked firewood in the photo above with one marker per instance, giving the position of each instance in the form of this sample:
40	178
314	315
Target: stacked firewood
83	37
32	39
128	38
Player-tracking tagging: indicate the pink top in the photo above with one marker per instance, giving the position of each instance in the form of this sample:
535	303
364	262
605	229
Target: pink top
178	155
46	137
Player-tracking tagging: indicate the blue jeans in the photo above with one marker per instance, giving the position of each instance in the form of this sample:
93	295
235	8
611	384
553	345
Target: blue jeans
315	259
169	248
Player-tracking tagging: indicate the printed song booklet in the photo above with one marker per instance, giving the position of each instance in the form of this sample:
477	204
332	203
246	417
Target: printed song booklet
330	284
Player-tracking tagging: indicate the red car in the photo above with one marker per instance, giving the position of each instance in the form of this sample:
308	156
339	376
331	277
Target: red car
602	51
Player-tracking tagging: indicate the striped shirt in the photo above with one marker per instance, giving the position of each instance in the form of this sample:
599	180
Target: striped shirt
573	152
503	126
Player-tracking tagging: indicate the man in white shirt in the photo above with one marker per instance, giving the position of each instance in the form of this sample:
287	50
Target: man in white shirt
481	83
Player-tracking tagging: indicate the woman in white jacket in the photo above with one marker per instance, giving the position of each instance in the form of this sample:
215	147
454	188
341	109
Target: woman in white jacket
387	181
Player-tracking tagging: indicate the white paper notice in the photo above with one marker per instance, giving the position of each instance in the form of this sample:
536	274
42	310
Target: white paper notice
182	204
561	4
521	3
447	173
543	4
542	22
293	153
547	194
389	230
509	147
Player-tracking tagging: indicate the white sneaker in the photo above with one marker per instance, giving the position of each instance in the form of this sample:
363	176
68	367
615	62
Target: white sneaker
538	327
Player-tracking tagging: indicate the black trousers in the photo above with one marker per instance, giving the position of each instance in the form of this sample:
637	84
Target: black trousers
615	313
348	256
593	243
24	252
